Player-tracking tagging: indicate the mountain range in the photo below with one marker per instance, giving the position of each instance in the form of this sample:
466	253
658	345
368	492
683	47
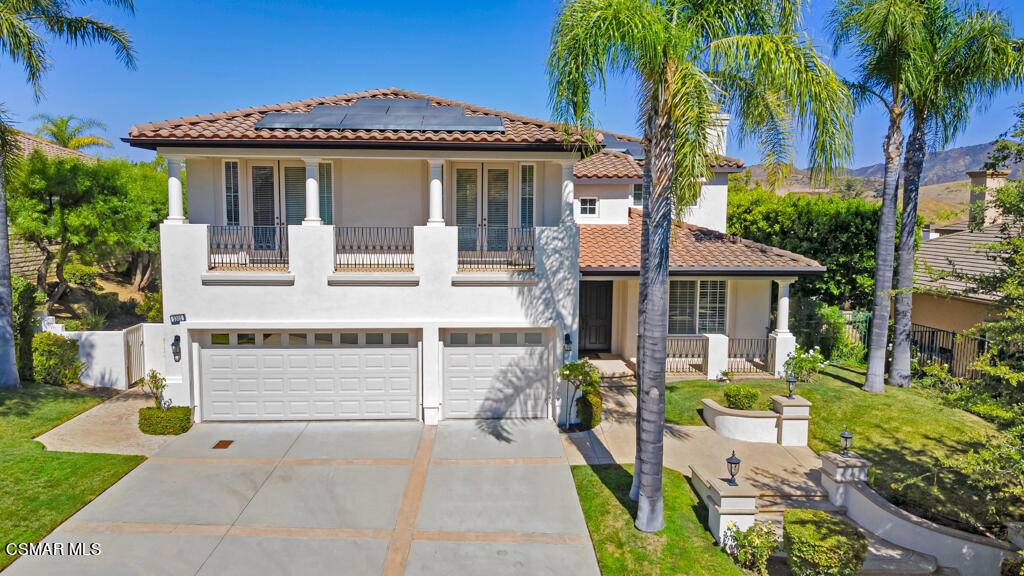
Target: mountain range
944	165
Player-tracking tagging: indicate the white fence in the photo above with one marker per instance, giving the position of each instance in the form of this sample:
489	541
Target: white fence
114	358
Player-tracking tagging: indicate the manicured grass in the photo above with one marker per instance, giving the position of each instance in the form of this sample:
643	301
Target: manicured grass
903	432
40	489
684	547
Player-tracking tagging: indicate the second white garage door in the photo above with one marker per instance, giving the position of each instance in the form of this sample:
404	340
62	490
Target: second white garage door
496	375
323	379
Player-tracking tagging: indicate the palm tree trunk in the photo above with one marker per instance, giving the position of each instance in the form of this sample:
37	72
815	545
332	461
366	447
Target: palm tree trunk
651	410
8	367
645	237
893	148
899	373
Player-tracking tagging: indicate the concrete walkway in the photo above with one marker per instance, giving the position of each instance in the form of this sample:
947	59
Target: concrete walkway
777	471
112	427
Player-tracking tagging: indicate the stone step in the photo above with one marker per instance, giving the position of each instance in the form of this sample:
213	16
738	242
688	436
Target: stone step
783	503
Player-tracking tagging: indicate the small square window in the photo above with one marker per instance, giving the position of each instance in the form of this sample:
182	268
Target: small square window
638	195
271	339
297	339
374	338
533	338
483	338
588	206
400	338
323	339
508	338
220	339
246	339
458	338
349	338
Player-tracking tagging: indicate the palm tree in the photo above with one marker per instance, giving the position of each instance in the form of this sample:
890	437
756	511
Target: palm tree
70	131
25	26
971	55
692	60
885	35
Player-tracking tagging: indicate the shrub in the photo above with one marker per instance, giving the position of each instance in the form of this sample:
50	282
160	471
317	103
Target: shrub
740	397
158	421
805	364
1013	565
26	298
578	375
751	548
819	544
81	274
54	359
151	308
107	304
73	325
154	383
588	408
92	321
935	377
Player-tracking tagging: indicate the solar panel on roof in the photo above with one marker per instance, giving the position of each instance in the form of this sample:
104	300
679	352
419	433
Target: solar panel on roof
383	114
634	149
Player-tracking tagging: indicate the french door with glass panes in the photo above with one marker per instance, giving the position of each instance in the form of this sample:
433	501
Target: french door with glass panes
482	202
266	218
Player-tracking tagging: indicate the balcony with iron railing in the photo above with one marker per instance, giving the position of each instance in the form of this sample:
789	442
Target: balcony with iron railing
496	249
373	249
248	248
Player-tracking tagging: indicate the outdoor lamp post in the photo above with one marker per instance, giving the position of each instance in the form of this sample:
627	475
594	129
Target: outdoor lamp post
845	439
792	385
734	468
176	348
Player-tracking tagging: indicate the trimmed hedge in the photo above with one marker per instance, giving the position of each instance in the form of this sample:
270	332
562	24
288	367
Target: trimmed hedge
81	274
739	397
588	408
55	360
157	421
819	544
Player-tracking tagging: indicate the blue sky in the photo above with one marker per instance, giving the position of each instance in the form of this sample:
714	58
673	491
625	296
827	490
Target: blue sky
203	57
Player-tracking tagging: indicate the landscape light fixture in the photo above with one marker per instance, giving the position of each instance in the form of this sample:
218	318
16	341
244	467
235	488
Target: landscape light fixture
792	386
176	348
845	440
567	347
734	468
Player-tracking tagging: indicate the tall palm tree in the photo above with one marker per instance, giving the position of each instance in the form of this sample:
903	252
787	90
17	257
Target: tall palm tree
70	131
885	35
692	60
969	55
25	27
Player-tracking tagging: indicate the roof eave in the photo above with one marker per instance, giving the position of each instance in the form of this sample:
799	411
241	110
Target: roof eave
154	143
711	270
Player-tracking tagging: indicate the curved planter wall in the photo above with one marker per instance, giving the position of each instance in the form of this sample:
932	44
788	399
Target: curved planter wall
785	424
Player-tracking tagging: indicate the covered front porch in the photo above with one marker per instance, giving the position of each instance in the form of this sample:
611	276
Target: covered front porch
716	324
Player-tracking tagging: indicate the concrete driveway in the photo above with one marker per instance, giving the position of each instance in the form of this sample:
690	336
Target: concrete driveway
465	497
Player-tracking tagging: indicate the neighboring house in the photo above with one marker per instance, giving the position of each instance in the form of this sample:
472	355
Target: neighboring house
387	254
946	302
27	258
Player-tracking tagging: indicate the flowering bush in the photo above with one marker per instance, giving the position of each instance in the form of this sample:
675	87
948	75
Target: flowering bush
751	548
805	364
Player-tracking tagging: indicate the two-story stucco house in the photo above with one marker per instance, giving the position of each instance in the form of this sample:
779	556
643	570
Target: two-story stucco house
391	255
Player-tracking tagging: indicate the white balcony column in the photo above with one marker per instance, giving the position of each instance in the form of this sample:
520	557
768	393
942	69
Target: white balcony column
782	311
568	191
312	192
175	202
436	215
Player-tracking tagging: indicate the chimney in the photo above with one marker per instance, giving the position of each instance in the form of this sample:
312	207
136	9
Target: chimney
719	133
984	184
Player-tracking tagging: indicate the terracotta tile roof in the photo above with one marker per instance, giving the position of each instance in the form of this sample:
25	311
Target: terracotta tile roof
964	251
612	164
239	125
694	250
30	142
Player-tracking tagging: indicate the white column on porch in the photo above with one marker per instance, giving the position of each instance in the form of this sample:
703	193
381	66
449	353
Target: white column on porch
312	192
436	215
782	311
175	202
568	191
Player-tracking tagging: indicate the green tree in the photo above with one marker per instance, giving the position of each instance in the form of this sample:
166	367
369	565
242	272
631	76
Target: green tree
25	28
691	61
969	55
70	131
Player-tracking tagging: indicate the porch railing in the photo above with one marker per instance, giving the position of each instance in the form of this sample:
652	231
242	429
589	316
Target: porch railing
686	354
487	249
248	248
749	355
376	249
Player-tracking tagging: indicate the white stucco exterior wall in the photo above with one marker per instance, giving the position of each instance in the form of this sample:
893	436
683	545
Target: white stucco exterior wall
372	192
613	202
749	307
710	209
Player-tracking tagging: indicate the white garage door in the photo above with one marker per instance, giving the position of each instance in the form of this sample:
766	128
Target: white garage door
496	375
309	376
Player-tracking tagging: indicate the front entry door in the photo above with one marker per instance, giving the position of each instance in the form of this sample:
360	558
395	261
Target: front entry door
482	196
595	316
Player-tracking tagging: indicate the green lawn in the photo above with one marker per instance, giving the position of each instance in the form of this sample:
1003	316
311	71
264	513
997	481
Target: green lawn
683	547
39	489
903	432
